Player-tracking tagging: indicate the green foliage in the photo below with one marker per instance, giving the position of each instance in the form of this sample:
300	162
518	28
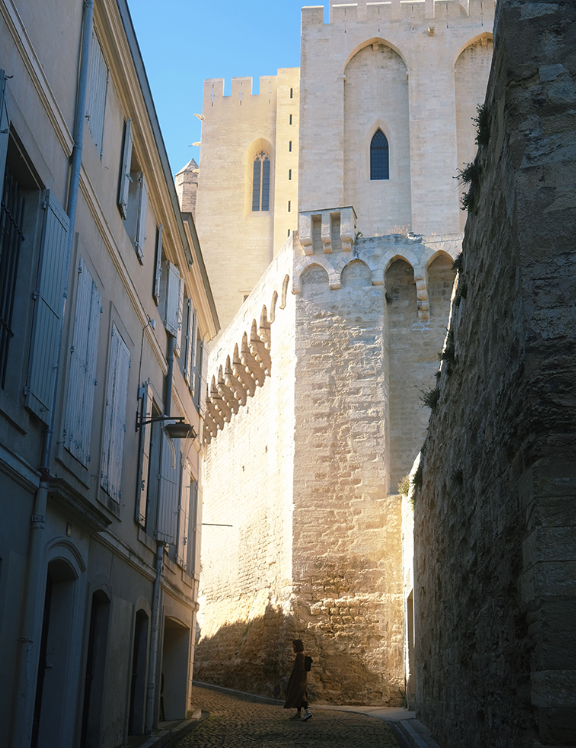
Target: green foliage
461	291
481	122
470	175
430	398
417	480
404	485
449	349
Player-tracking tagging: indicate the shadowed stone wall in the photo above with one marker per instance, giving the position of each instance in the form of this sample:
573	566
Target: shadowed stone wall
495	534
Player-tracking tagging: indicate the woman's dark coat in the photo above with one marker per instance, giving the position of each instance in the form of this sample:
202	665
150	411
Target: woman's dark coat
296	691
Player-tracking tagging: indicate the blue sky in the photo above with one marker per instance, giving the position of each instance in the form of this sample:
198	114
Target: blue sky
185	41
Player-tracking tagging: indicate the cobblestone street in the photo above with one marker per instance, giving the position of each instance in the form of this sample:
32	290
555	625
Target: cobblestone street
239	724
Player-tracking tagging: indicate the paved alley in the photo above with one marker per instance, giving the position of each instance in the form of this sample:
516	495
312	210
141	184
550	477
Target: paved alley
239	724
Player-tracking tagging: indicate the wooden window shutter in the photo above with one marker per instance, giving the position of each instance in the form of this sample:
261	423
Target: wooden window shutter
4	126
158	269
140	237
178	345
190	345
169	489
49	296
183	521
97	88
83	361
124	185
144	454
115	416
202	378
195	531
172	298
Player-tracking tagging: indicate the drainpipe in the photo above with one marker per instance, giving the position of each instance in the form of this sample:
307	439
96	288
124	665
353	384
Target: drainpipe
34	597
155	623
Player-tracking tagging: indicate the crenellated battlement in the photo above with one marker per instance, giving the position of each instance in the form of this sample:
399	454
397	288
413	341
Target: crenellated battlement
241	90
399	10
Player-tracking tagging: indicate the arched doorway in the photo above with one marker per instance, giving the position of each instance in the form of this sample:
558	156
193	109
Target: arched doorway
49	705
95	667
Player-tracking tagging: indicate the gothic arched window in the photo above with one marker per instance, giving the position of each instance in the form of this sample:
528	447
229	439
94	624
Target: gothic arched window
261	182
379	156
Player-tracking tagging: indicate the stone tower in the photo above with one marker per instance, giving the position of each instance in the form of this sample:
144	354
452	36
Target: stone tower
314	408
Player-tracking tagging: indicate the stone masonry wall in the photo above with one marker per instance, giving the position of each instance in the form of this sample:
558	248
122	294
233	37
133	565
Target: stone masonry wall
247	483
347	548
495	548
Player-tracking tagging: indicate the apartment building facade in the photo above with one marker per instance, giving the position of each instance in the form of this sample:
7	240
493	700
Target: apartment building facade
105	309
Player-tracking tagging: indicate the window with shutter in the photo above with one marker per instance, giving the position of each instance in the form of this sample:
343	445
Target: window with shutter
194	532
97	88
140	236
171	288
124	184
169	489
202	379
158	266
115	416
83	360
4	125
178	345
184	522
191	332
49	296
144	454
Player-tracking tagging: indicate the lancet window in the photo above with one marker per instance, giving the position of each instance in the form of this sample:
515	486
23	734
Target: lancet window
261	182
379	161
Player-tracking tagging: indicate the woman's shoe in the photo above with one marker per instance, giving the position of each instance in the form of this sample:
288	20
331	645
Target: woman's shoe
306	716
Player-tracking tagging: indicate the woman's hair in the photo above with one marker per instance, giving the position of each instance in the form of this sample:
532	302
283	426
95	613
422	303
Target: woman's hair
298	645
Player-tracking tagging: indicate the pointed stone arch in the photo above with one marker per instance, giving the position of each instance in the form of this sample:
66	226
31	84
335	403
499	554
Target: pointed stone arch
302	263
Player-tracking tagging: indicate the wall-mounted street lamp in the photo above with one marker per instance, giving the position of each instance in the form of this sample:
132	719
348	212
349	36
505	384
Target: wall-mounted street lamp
178	429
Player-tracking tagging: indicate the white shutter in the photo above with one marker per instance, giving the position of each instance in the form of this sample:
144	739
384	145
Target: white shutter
193	352
140	237
202	378
183	521
49	297
168	494
124	186
144	457
83	362
172	298
4	127
115	416
195	531
158	269
97	87
190	341
178	345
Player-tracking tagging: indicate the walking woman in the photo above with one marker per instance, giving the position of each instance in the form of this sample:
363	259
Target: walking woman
296	691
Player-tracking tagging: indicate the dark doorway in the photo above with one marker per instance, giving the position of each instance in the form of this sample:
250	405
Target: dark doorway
139	671
95	664
51	684
175	656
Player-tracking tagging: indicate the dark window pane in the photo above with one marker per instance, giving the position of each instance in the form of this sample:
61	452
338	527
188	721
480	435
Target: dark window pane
379	156
11	217
256	185
266	185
